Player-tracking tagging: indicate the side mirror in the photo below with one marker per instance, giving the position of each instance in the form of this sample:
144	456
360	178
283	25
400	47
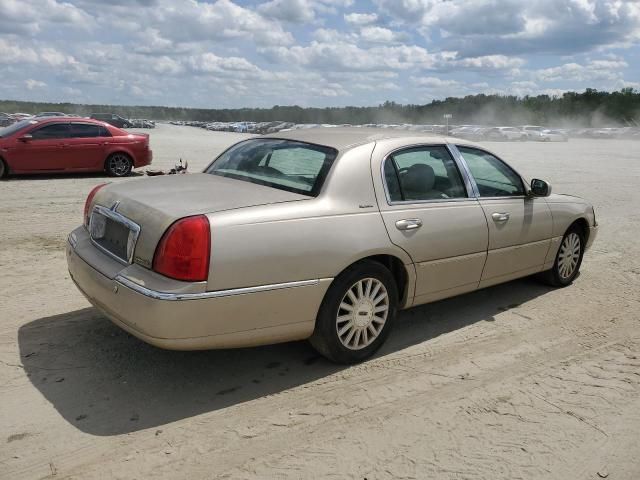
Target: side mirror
26	137
540	188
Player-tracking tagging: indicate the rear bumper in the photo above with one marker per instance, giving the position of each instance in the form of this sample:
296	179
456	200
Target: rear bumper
192	321
144	159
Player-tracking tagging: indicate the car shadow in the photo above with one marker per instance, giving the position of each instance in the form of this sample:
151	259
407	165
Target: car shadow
106	382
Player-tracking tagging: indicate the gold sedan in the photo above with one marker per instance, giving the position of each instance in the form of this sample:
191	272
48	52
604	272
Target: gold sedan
320	234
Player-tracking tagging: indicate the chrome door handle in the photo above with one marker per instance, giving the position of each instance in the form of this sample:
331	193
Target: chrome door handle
409	224
500	217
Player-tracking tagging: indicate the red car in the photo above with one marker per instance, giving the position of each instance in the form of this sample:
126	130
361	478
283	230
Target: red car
68	144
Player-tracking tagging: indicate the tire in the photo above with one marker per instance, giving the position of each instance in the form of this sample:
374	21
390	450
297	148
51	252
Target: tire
4	171
568	259
118	165
346	335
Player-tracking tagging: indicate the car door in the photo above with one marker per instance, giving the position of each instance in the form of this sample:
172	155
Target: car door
44	150
520	226
429	212
86	146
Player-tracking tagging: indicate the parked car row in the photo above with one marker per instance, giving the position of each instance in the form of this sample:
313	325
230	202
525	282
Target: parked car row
259	128
7	119
469	132
142	123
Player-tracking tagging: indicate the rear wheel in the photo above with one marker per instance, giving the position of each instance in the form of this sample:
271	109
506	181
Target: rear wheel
118	165
568	259
356	314
3	169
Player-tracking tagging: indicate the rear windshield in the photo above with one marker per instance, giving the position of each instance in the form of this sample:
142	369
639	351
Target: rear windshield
16	127
284	164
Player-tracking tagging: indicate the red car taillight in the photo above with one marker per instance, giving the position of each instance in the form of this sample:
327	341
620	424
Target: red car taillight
87	203
183	252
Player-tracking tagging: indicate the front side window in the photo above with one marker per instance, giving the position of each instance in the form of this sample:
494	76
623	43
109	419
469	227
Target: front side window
423	173
493	177
284	164
52	131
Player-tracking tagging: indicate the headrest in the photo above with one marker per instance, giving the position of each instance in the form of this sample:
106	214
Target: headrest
419	178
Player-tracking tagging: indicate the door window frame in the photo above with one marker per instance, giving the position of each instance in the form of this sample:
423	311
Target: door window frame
50	124
458	154
455	156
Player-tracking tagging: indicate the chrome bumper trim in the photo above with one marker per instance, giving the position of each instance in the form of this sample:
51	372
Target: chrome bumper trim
219	293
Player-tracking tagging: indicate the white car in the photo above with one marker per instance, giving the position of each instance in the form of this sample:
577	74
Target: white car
531	131
551	136
505	134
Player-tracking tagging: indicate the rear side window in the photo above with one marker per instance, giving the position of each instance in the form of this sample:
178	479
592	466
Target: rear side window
103	132
284	164
51	131
423	173
85	130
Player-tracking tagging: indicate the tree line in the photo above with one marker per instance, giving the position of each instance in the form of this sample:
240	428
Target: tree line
589	108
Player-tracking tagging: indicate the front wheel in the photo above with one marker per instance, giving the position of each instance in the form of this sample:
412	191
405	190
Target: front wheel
3	169
356	314
119	165
568	259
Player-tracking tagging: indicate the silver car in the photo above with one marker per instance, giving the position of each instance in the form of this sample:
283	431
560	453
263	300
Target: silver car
320	234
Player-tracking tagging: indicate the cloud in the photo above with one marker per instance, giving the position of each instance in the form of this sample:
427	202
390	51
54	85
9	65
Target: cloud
344	56
295	11
361	18
483	27
490	62
575	72
374	34
312	52
30	18
32	84
433	82
410	11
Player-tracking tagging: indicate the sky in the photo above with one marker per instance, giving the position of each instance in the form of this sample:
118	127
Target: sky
260	53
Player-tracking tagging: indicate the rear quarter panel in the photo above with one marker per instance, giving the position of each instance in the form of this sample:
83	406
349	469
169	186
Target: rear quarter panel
133	146
302	240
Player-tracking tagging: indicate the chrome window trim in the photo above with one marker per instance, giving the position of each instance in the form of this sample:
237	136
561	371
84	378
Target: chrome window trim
133	227
462	171
215	294
472	186
473	180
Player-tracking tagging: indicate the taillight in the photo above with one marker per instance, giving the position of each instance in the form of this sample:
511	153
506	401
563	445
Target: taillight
183	252
87	203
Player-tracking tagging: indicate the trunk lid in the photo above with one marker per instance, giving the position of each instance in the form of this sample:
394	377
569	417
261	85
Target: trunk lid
155	203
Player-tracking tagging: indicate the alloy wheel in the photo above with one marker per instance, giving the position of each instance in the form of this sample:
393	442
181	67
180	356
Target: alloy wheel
119	164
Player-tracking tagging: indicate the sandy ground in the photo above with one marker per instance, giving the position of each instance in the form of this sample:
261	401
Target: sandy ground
515	381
